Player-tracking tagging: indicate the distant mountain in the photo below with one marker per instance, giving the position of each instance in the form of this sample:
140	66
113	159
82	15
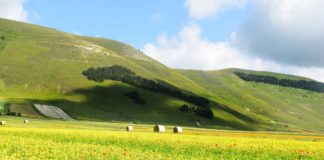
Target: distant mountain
45	66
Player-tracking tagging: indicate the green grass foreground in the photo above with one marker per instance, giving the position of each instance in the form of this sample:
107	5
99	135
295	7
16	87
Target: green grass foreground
51	139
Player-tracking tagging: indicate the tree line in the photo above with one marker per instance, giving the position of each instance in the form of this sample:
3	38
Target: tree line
301	84
123	74
207	113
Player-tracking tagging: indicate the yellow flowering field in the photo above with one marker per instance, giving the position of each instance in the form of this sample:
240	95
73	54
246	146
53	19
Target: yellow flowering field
58	141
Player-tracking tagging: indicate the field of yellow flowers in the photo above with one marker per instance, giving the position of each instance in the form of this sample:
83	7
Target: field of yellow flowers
48	139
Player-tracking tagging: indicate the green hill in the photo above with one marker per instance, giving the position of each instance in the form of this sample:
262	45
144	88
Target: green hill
286	107
43	65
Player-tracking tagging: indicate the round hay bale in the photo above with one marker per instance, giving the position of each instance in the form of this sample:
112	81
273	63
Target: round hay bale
177	130
129	128
26	121
159	128
2	123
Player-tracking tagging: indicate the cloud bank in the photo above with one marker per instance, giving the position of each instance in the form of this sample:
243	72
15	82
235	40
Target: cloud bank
284	36
13	9
189	49
286	31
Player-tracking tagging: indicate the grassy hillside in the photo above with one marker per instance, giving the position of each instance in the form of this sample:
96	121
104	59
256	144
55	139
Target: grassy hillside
286	107
43	65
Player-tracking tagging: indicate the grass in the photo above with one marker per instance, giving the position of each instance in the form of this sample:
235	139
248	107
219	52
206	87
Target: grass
44	65
274	107
50	139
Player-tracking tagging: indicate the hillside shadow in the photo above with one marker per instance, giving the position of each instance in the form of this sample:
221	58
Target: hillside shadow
225	108
235	113
109	103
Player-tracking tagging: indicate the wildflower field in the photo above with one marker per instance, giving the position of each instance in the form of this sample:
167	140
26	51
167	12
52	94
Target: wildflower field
49	139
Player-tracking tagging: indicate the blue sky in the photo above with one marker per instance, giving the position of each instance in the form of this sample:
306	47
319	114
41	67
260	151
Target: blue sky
134	22
285	36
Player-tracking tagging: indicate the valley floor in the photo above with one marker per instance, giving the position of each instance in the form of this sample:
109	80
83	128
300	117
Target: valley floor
52	139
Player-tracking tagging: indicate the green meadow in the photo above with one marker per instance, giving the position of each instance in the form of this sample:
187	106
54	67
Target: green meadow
52	139
40	65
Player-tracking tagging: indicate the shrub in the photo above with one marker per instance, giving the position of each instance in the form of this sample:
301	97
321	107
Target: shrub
184	108
14	114
136	97
203	112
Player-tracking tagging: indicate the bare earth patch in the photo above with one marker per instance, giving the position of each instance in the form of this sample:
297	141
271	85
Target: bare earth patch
24	110
52	112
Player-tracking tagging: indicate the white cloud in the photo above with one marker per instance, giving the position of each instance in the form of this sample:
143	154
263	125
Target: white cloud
13	9
283	36
312	72
200	9
190	50
286	31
